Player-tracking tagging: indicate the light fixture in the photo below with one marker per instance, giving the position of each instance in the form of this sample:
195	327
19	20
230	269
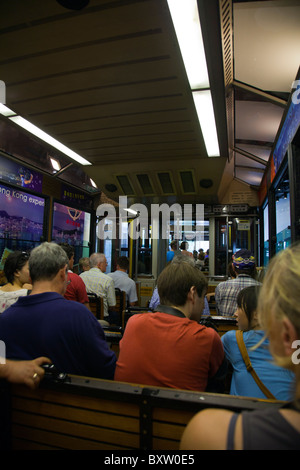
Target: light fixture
93	183
187	25
131	211
28	126
55	164
205	111
5	111
186	22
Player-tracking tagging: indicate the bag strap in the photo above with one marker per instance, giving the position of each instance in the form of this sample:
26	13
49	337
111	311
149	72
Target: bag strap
245	356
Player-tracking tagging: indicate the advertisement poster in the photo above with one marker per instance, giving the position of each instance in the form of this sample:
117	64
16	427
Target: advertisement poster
21	221
70	225
21	214
14	173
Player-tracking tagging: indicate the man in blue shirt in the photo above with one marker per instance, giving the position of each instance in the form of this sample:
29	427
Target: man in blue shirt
44	323
174	250
123	282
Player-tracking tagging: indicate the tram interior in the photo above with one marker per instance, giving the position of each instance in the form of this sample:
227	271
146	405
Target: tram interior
108	81
102	121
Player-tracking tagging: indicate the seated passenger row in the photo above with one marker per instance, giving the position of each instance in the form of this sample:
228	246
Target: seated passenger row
167	349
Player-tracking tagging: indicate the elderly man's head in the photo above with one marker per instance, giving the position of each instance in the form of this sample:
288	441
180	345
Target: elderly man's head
45	261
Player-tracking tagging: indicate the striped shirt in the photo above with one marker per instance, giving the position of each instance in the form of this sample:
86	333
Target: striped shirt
226	293
96	282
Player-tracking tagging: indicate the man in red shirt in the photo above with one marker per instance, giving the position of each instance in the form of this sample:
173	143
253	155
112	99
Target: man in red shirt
169	348
76	289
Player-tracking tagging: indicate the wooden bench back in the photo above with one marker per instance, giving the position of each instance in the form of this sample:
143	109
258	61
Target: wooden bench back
91	414
96	306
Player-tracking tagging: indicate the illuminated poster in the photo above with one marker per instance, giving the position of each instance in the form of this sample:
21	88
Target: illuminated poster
21	215
70	225
20	175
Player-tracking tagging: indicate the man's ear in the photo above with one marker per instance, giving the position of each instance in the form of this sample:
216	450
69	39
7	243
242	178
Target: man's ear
289	335
191	294
62	273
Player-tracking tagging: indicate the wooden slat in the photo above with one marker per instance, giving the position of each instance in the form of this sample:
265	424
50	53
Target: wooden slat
167	430
176	416
78	430
61	441
92	417
86	402
164	444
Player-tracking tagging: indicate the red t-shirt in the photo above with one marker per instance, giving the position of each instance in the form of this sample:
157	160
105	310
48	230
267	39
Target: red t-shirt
163	350
76	289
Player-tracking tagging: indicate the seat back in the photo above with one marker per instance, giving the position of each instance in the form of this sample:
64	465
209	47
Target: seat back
101	414
96	306
120	307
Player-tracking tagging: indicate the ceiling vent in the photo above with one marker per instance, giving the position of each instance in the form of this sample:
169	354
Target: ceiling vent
125	185
166	183
187	181
145	184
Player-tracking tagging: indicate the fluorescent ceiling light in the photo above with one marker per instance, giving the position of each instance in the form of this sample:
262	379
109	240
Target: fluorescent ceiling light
187	25
205	111
131	211
5	111
55	164
47	138
93	183
186	22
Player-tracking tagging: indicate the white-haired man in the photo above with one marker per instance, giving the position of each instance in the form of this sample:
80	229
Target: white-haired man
99	283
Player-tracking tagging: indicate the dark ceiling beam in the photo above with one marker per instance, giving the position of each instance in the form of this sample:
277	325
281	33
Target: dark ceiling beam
261	94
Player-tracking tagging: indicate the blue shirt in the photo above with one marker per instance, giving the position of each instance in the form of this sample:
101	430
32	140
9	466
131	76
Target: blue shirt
123	282
279	381
63	330
170	255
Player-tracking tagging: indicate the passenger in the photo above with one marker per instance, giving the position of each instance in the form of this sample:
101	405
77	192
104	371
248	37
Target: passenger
200	259
28	373
279	381
84	264
174	250
45	324
271	428
155	301
18	281
226	292
184	246
99	283
123	282
75	288
169	348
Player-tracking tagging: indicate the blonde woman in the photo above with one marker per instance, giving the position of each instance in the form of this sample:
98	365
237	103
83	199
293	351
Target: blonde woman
279	315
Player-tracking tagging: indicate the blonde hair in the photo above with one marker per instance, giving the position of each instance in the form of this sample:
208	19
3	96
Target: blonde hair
280	293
